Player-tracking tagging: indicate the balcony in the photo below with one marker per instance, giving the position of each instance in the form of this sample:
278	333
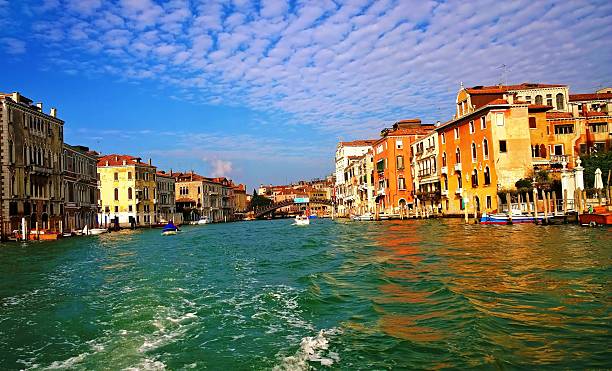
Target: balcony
444	170
459	191
458	166
444	192
41	170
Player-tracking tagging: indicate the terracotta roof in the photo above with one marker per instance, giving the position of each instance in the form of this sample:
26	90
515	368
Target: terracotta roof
117	160
185	199
586	97
539	107
164	174
558	115
497	101
358	143
409	121
498	89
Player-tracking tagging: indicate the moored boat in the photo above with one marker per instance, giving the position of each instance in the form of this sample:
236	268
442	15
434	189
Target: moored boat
96	231
203	220
504	218
600	215
362	217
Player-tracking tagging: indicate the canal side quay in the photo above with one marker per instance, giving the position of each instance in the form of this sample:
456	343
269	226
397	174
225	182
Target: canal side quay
51	188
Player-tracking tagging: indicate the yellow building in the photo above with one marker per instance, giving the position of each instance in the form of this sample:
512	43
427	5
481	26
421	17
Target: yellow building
127	191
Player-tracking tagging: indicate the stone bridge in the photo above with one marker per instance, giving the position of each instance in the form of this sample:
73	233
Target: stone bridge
262	211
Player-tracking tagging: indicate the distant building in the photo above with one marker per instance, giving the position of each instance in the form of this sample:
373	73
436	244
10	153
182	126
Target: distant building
80	188
198	196
425	171
344	151
240	198
165	201
127	191
31	143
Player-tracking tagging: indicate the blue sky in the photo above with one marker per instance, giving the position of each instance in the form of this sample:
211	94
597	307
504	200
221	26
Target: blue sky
261	91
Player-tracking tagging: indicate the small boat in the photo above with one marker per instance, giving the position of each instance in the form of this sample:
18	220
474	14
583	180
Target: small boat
97	231
302	220
203	220
600	215
363	217
40	235
170	229
504	218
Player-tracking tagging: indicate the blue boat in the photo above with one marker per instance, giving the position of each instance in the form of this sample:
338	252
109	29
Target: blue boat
170	229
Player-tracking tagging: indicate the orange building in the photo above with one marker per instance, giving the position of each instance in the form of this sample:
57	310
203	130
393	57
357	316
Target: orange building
392	177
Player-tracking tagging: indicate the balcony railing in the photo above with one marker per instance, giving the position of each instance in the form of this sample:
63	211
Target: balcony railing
458	166
444	170
459	191
444	192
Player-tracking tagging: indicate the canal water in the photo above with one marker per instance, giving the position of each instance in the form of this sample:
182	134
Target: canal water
335	294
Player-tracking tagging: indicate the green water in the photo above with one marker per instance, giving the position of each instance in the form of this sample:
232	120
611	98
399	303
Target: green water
339	295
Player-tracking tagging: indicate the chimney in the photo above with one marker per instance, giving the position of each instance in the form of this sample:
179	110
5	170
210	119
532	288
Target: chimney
584	109
437	123
40	106
575	112
124	163
150	162
510	98
170	171
106	163
16	97
116	158
53	112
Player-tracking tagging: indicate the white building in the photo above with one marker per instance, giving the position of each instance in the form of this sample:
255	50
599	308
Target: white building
344	152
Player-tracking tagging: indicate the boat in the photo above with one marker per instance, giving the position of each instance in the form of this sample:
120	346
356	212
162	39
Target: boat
203	220
600	215
504	218
170	229
302	220
97	231
40	235
363	217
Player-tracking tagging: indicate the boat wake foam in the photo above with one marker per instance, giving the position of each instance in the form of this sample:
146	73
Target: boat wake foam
312	349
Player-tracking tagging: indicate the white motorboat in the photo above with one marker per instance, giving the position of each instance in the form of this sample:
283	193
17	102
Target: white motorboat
169	233
302	220
363	217
97	231
203	220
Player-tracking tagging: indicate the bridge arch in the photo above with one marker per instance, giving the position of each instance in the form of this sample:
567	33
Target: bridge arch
261	212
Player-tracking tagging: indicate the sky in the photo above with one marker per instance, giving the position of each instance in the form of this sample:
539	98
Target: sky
262	91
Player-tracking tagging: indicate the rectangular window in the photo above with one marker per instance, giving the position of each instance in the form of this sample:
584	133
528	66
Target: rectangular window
599	127
400	162
532	123
599	147
528	99
502	146
116	176
583	148
443	137
379	149
558	149
472	128
116	209
564	129
489	206
399	144
130	208
549	102
401	184
483	122
456	133
380	165
129	175
499	118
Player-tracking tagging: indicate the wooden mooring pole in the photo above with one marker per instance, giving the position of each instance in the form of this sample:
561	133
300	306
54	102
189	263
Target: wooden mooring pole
509	202
535	205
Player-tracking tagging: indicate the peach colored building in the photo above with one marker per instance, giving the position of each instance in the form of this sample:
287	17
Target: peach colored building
392	176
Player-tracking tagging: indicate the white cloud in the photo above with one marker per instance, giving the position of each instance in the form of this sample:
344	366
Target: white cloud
13	46
219	167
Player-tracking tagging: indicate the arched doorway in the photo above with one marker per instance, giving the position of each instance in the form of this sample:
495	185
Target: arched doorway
45	221
477	203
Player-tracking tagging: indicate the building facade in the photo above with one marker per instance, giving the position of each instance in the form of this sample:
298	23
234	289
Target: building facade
127	191
344	151
392	176
31	147
165	199
425	171
80	188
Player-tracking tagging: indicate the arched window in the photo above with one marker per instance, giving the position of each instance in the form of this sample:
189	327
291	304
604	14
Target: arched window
443	158
560	101
485	148
542	151
474	154
475	178
487	176
116	194
458	156
130	193
459	181
445	182
538	99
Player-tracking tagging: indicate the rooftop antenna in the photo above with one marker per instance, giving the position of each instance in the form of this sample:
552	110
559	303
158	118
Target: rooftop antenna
503	74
